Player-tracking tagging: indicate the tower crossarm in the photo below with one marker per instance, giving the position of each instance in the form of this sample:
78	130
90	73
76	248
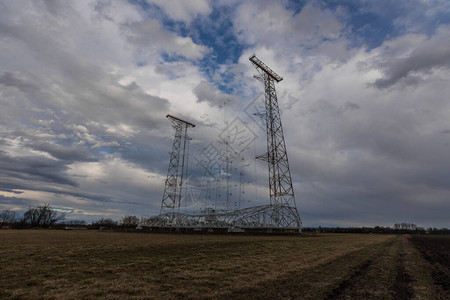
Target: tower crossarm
263	67
178	120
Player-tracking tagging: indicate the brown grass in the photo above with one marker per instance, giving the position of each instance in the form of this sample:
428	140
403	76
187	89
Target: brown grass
88	264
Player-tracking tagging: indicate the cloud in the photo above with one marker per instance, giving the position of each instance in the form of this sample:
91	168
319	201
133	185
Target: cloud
356	143
206	92
180	10
150	36
359	151
63	153
408	59
10	79
271	22
34	168
79	111
364	103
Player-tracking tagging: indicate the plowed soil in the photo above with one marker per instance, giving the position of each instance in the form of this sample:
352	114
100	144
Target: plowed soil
436	251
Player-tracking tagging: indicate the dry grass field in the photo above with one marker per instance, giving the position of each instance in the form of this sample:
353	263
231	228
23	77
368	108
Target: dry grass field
45	264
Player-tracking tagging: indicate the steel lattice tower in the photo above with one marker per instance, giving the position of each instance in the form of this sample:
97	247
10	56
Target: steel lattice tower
174	181
280	182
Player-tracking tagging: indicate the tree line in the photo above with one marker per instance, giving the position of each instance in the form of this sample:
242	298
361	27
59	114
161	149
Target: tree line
398	228
44	216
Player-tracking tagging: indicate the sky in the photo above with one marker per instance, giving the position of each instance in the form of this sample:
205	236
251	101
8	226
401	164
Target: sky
85	87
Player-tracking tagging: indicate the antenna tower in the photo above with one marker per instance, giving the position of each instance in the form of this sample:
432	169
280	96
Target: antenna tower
280	183
174	181
279	215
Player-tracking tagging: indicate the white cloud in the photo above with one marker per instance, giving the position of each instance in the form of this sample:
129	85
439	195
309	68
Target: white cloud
130	182
152	39
121	130
270	23
185	11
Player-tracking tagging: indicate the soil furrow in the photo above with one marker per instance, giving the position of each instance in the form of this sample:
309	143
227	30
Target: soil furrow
329	280
347	284
401	288
436	251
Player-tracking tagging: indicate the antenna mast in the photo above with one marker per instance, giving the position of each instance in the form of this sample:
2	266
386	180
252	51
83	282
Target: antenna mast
280	182
174	181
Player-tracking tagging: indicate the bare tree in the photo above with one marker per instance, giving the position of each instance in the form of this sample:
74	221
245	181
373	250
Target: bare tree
145	221
130	221
107	222
405	226
42	216
7	217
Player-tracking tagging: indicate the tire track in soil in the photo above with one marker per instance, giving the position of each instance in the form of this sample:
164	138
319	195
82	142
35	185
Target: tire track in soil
333	279
402	288
345	285
383	275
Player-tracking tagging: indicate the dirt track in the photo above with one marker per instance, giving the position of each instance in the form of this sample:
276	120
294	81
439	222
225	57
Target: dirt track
391	270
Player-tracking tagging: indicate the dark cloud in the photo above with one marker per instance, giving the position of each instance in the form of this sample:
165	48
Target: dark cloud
35	168
95	197
432	53
16	201
54	7
10	79
206	92
351	106
63	153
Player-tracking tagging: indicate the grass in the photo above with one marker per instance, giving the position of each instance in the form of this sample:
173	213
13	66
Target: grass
49	264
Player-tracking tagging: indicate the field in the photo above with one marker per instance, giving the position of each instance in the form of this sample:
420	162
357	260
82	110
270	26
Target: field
43	264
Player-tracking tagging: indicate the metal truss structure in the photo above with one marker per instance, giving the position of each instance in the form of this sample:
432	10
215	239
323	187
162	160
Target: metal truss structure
280	214
280	182
265	217
173	185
